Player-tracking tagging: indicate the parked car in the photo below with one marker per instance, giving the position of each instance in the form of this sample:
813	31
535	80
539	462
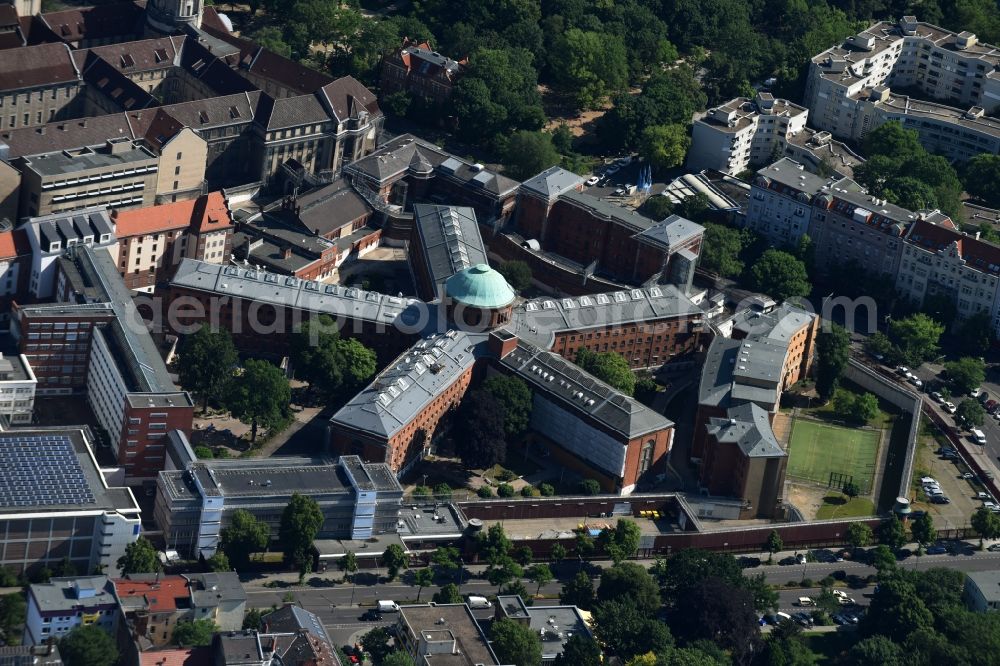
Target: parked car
803	618
611	170
940	499
370	615
982	496
968	476
937	549
994	548
928	479
992	506
916	381
747	562
937	397
840	619
620	192
593	180
950	407
903	370
981	395
991	406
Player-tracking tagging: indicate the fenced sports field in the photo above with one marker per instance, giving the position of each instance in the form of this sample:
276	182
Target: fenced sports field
832	455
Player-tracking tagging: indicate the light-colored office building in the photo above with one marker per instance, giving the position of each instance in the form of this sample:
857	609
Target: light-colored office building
17	390
51	236
120	174
742	133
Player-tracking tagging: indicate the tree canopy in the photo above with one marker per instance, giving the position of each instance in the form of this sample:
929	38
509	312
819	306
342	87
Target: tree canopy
260	396
916	337
207	362
780	275
609	367
832	353
517	273
514	397
243	536
337	367
528	153
88	645
515	643
629	582
300	522
665	146
965	374
140	557
194	633
480	429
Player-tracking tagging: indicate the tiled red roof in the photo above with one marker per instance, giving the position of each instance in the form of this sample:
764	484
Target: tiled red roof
977	254
206	213
199	656
14	244
160	595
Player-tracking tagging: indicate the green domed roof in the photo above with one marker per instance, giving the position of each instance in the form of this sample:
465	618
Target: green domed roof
480	286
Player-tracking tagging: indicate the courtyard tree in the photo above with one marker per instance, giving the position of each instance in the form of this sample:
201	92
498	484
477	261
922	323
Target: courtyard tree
140	557
88	645
859	535
194	633
774	544
207	362
832	352
986	523
376	643
480	429
335	366
780	275
253	619
259	396
517	273
721	250
300	522
965	374
514	397
395	558
609	367
243	536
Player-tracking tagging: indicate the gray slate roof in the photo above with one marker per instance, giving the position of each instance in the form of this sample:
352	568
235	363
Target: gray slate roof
292	292
537	321
749	427
671	232
562	382
608	210
73	593
790	173
330	207
410	383
552	182
450	239
208	590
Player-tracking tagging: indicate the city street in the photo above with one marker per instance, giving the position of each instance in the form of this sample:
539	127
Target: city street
333	604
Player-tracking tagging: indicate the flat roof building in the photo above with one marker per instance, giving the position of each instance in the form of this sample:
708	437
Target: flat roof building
554	624
55	502
443	635
982	591
358	499
57	607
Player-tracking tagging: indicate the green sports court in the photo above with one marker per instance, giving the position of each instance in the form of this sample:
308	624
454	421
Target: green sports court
831	455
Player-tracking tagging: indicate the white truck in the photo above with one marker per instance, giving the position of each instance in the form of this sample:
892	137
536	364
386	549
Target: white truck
387	606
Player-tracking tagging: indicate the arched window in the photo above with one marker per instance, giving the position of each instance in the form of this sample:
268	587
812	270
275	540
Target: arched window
646	456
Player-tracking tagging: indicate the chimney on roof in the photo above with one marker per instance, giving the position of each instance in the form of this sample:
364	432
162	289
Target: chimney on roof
286	252
83	123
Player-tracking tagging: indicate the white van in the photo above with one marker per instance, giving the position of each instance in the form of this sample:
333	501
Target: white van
478	602
805	601
387	606
978	436
782	616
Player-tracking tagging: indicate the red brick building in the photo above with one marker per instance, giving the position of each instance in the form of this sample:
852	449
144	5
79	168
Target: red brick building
421	71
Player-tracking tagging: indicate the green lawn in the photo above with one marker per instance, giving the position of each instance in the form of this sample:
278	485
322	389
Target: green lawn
836	505
817	449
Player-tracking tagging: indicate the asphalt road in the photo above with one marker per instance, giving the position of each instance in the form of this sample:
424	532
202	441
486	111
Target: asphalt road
334	606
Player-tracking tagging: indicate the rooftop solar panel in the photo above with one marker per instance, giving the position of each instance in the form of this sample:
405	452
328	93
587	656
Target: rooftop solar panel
41	471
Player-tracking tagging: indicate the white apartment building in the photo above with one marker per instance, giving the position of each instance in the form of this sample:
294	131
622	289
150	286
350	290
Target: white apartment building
849	84
57	607
742	133
781	201
941	260
17	390
51	236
